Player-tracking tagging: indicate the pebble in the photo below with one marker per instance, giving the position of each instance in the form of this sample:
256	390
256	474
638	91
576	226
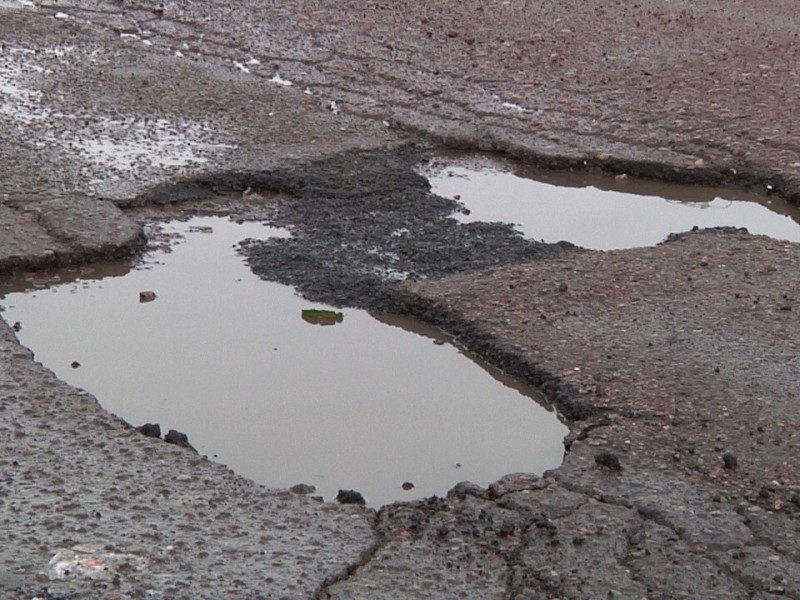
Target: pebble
730	460
150	430
178	439
350	497
609	460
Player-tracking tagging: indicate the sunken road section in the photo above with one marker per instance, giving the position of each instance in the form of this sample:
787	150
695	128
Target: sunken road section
680	480
676	366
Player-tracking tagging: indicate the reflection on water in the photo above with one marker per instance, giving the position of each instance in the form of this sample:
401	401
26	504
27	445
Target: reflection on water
599	211
234	362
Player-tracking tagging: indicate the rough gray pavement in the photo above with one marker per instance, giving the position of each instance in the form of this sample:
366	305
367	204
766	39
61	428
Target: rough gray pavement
686	354
110	105
93	118
679	88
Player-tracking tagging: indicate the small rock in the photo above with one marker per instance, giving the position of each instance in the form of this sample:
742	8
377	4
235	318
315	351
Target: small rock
147	296
609	460
466	488
16	326
150	430
74	364
179	439
407	485
730	460
302	489
350	497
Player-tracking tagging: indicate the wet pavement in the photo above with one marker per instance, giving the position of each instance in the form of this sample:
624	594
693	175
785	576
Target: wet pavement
680	479
243	369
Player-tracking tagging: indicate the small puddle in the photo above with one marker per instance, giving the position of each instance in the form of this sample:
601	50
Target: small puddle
278	392
601	212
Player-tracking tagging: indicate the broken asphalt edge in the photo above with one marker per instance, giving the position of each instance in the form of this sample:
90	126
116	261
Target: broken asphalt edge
567	399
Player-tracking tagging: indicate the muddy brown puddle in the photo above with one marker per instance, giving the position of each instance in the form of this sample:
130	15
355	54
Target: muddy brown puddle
598	211
366	402
265	383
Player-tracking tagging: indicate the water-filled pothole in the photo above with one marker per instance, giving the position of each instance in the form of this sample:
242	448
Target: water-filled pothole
368	402
598	211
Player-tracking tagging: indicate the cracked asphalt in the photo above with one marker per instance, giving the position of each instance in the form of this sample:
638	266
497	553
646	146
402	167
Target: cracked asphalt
675	364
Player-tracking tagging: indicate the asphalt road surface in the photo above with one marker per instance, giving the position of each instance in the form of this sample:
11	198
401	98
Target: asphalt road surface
675	365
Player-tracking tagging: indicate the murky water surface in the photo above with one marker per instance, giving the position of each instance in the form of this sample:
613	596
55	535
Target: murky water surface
364	402
285	391
598	211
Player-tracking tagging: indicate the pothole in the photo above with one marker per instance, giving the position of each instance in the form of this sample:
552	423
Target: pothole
338	400
288	391
598	211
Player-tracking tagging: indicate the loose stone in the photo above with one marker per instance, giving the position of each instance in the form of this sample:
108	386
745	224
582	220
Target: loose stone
350	497
608	460
303	489
179	439
730	460
150	430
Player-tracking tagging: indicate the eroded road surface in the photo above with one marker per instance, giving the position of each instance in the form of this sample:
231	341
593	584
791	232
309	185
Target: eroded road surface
675	365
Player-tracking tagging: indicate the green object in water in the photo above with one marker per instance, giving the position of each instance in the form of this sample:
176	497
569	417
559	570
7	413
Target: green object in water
316	316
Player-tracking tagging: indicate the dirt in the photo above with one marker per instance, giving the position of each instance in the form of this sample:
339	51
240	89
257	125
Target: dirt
674	363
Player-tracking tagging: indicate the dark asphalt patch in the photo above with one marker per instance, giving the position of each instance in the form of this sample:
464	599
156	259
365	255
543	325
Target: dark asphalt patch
362	222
